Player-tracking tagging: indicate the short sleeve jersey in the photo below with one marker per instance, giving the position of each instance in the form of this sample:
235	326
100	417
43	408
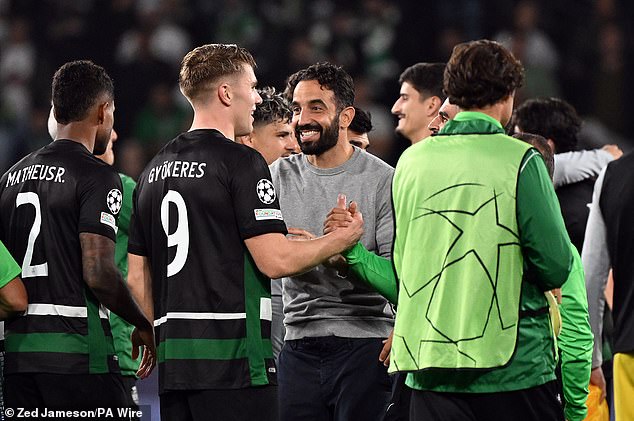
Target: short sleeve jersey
46	200
195	204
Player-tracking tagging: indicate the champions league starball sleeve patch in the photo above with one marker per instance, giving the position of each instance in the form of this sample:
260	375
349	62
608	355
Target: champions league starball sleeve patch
266	191
114	199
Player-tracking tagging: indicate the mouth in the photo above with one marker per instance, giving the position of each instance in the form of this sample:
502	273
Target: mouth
309	134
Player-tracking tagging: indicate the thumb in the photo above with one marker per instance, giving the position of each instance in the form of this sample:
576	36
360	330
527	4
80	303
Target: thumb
341	201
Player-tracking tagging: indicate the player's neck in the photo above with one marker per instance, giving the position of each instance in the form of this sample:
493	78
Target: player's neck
79	132
209	121
334	156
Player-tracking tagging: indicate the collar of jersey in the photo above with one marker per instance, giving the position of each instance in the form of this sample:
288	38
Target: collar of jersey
471	122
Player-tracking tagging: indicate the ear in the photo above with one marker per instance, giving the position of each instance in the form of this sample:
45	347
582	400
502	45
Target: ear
433	106
551	144
247	140
101	112
225	94
345	117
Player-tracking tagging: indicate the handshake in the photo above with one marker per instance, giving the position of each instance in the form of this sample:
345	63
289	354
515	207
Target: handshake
343	227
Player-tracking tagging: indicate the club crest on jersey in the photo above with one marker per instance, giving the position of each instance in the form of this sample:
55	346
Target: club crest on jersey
266	191
114	200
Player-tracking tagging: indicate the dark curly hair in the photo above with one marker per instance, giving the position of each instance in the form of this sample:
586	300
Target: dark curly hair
426	78
274	107
329	76
77	86
362	121
552	118
481	73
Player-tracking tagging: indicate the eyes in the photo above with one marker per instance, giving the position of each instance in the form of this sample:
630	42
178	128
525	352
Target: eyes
313	108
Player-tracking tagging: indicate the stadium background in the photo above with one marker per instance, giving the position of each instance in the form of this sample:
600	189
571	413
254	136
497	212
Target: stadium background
581	50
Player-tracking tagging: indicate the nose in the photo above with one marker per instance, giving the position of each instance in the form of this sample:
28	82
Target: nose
434	125
258	98
396	108
302	118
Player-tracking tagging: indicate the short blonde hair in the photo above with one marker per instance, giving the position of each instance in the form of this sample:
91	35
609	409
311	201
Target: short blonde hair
202	66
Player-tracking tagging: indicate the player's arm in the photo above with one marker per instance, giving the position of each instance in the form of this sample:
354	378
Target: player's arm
543	237
572	167
140	283
105	281
271	251
13	298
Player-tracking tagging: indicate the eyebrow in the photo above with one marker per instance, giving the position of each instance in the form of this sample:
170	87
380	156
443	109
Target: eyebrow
312	102
443	114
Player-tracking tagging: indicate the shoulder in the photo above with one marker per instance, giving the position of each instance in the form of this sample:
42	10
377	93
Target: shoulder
293	163
375	163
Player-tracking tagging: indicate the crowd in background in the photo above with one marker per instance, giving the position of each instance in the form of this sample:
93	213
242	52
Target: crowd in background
580	50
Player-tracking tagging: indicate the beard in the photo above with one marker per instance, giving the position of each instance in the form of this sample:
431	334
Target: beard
328	137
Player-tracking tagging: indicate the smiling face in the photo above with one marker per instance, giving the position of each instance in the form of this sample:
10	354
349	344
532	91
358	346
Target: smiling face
411	108
315	117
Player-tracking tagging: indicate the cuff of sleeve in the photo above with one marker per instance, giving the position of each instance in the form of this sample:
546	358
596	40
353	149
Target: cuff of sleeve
354	254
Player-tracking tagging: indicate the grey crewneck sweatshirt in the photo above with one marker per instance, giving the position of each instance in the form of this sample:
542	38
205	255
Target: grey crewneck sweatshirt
320	302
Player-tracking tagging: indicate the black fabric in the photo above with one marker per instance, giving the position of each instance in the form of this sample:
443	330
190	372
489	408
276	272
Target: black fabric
398	409
194	205
256	403
331	378
64	391
535	404
46	200
617	208
574	200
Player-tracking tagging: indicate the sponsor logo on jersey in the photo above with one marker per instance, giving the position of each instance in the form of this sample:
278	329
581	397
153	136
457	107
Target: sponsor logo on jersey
266	191
264	214
114	200
109	220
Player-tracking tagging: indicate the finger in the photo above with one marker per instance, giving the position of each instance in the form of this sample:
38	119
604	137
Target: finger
353	207
387	361
341	201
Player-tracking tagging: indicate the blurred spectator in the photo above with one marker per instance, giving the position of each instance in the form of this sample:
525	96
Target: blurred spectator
532	46
160	120
608	88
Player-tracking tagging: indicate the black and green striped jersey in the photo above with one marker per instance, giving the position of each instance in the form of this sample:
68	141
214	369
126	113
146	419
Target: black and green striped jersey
194	205
46	200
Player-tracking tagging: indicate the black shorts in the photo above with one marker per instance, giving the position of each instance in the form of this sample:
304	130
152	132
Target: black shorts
538	403
254	403
64	391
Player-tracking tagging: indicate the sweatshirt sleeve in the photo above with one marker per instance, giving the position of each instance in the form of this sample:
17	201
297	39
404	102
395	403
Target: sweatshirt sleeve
575	342
376	271
543	237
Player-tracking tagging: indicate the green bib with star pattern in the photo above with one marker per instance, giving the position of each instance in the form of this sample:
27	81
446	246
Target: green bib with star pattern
457	249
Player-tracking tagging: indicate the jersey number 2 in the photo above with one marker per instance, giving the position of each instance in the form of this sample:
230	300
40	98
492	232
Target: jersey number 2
180	237
29	270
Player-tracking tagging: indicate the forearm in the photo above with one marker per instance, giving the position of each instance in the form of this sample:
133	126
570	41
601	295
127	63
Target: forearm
572	167
108	286
140	283
375	270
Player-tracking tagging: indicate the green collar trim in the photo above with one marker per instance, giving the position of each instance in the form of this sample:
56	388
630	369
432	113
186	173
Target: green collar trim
472	122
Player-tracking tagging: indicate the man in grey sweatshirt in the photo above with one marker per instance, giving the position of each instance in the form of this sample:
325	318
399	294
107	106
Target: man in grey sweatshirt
329	367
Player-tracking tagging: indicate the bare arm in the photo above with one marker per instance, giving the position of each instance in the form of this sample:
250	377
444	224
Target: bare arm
105	281
271	251
13	299
140	283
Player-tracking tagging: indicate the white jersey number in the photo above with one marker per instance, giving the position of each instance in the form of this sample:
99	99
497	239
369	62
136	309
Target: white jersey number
180	237
29	270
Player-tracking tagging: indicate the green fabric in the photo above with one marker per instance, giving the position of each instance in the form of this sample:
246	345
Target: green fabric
98	343
50	342
9	269
457	249
256	287
121	330
201	349
375	270
575	341
534	361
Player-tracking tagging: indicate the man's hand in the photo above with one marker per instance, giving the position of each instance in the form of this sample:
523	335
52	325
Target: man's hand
557	294
298	234
384	356
613	150
597	379
144	338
